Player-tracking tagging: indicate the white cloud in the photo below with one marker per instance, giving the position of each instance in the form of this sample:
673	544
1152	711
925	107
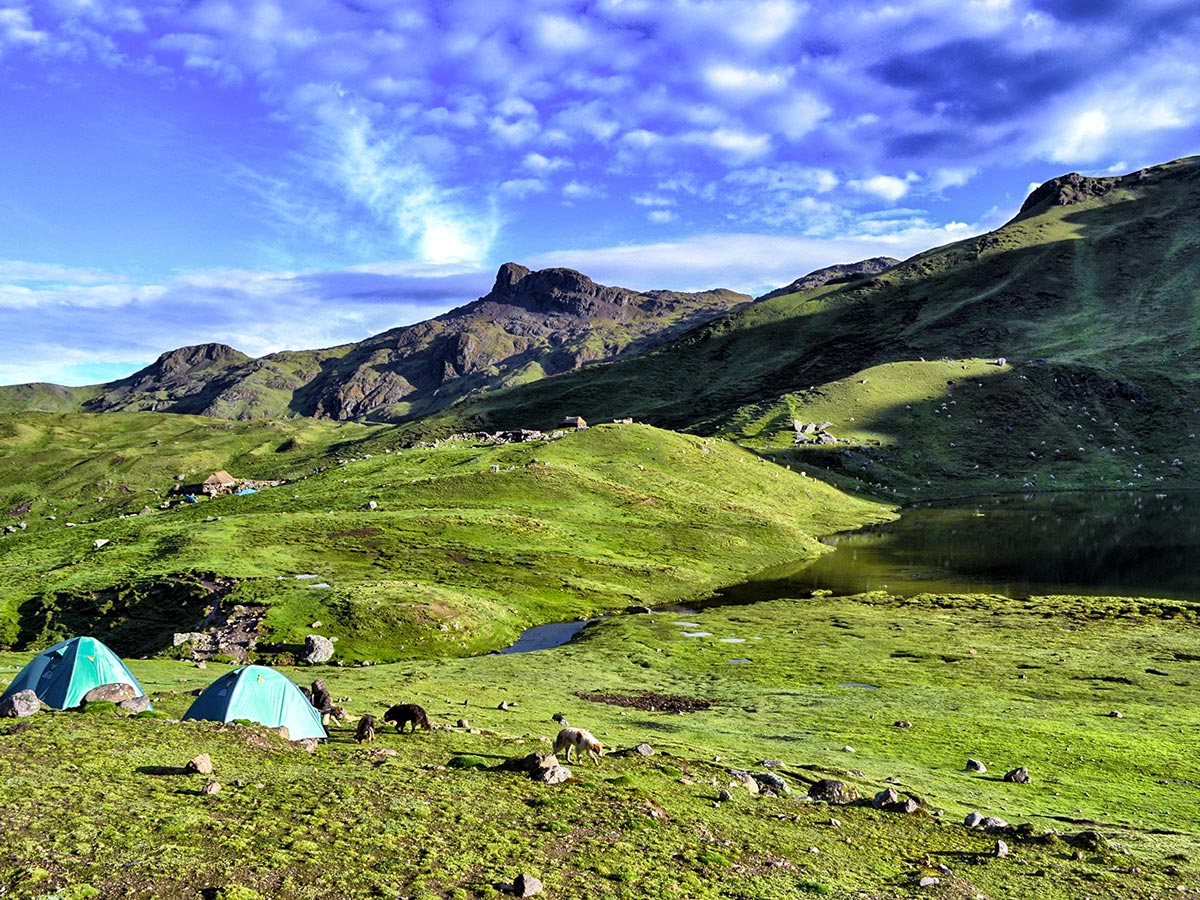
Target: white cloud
577	190
746	82
886	187
731	144
661	216
560	34
522	187
536	162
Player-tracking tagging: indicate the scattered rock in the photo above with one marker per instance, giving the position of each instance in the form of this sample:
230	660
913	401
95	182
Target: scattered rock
993	823
308	744
772	781
885	797
906	807
463	723
974	765
973	820
503	705
902	724
560	719
643	749
317	649
637	608
116	692
1018	776
201	665
213	787
371	504
1116	714
201	765
551	775
848	749
100	542
1001	850
929	881
827	790
745	779
724	796
19	705
530	763
136	704
526	886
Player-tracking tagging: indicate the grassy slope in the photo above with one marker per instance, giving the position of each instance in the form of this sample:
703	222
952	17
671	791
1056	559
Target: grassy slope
962	670
1103	290
454	559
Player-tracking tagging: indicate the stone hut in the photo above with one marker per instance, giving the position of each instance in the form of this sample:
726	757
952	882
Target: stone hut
574	422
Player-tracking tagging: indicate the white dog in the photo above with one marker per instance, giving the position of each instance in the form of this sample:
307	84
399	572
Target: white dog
578	740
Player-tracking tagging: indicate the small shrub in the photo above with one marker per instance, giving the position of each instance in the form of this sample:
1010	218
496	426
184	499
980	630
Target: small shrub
466	761
237	892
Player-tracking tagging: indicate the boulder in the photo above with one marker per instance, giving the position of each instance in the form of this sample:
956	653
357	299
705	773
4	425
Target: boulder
637	609
1001	850
117	692
551	775
828	790
886	797
308	745
201	765
905	807
19	705
643	749
745	779
974	765
973	820
772	781
1018	776
526	886
993	823
136	704
724	796
530	763
317	649
213	787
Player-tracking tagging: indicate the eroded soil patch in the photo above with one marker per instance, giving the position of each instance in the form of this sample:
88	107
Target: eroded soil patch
649	701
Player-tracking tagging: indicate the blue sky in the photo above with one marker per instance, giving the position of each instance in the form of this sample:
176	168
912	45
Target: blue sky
299	174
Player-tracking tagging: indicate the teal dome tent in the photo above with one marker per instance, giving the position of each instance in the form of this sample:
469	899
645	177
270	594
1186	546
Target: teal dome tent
62	674
262	695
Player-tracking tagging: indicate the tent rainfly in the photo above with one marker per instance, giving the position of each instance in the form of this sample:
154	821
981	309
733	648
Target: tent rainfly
62	674
262	695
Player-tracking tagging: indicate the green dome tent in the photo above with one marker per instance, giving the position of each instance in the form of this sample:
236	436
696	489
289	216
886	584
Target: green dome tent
261	695
62	674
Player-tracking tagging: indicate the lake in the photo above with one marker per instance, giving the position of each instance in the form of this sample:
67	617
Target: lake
1093	543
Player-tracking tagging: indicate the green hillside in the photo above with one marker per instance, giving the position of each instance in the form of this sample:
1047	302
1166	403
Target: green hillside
454	558
1090	295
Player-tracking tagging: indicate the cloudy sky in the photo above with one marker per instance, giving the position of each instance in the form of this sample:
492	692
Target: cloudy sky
299	173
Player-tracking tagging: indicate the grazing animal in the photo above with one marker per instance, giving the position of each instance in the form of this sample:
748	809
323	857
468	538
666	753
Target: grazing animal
578	740
366	730
320	697
404	713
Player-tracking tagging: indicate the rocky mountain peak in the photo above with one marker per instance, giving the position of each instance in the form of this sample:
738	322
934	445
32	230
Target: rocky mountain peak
509	277
183	359
1066	190
560	291
831	274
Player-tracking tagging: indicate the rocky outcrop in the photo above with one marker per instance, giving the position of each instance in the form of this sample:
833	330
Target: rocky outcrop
843	272
1067	190
531	324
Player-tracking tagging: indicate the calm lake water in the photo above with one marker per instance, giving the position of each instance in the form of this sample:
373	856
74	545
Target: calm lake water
1091	543
1095	543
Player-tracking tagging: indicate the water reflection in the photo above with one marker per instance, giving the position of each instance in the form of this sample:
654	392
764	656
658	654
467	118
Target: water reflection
1071	543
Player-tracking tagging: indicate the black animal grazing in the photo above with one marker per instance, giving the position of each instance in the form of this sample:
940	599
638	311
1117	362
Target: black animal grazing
403	713
321	700
366	730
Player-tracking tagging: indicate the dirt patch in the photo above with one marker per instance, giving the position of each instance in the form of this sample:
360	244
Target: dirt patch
649	701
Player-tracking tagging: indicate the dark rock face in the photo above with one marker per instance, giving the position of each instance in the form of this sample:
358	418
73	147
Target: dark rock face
1067	190
832	274
831	791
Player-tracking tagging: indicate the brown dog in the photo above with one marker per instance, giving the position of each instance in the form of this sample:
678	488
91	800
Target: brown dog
404	713
366	730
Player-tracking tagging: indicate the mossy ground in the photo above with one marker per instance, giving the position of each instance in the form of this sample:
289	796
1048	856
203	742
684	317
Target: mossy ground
93	799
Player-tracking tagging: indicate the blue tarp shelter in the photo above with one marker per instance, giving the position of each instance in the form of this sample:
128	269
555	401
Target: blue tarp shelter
62	674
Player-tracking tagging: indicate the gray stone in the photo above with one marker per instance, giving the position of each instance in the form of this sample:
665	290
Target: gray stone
560	719
929	881
830	791
526	886
745	779
906	807
19	705
136	704
974	765
1116	714
885	797
1018	776
213	787
551	775
116	692
100	542
772	781
309	745
503	705
994	823
463	723
973	820
1001	849
724	796
643	749
317	649
903	723
637	609
201	765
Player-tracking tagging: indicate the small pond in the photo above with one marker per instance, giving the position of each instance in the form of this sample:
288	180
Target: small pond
1090	543
543	637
